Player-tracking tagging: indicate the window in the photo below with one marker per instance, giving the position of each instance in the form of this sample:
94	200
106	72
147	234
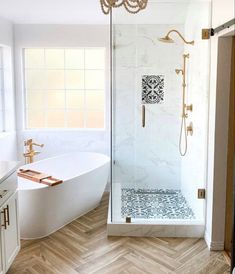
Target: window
2	125
64	88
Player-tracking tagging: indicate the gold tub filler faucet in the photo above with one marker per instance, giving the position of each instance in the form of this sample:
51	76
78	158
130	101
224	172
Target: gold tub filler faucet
29	150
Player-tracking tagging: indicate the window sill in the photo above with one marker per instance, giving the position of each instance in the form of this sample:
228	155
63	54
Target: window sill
47	130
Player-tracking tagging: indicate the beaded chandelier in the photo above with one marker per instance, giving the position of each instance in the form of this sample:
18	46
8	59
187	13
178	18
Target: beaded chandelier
132	6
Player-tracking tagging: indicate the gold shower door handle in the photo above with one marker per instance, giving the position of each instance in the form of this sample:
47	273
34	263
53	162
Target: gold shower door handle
143	115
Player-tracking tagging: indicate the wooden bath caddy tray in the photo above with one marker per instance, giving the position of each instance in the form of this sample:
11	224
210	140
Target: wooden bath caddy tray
38	177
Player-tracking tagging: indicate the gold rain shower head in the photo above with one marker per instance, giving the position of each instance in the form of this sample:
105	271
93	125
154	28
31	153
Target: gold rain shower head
167	38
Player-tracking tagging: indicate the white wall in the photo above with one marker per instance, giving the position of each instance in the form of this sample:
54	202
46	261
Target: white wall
8	149
194	164
61	141
222	11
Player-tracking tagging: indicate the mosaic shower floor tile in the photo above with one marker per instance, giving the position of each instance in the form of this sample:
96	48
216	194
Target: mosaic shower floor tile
155	204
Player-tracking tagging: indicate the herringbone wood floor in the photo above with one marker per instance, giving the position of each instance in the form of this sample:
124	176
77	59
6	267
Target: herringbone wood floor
83	247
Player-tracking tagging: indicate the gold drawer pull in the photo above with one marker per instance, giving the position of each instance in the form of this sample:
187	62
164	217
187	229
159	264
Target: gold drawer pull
8	215
143	115
4	212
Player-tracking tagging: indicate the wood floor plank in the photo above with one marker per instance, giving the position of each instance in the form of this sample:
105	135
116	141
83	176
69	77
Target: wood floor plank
82	247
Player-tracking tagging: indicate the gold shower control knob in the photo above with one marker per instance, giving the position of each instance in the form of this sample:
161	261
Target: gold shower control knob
190	129
189	107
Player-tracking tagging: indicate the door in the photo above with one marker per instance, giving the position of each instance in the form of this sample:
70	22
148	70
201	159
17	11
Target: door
230	158
154	86
11	233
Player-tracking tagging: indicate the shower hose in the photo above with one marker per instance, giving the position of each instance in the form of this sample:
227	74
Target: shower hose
183	131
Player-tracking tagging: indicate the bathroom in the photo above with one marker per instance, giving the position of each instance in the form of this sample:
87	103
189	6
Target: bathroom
112	140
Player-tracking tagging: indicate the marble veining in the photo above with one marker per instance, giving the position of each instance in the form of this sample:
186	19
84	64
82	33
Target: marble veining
155	203
137	56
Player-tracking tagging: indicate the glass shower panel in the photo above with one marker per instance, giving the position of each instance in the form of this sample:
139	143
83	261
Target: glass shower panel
151	181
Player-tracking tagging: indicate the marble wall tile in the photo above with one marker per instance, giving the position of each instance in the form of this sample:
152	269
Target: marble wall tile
146	157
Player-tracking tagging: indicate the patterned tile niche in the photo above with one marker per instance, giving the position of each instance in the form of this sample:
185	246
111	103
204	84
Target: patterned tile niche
152	89
155	204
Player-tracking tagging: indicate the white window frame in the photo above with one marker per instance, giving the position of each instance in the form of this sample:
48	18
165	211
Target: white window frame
3	129
104	128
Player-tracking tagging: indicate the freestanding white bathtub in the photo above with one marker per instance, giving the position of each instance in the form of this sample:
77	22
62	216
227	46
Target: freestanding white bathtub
44	209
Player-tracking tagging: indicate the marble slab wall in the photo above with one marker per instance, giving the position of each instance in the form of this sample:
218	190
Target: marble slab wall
146	157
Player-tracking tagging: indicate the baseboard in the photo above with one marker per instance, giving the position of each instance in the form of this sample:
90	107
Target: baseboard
212	245
217	246
108	187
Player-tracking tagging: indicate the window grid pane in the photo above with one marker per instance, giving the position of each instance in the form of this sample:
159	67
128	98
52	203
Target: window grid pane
64	88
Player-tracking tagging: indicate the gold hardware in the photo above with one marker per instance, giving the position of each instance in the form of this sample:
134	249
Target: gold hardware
201	194
5	218
206	34
184	131
186	55
178	71
167	38
189	108
128	220
8	215
190	129
143	115
30	152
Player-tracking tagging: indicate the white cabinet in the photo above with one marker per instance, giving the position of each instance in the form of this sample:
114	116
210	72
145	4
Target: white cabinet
1	257
10	239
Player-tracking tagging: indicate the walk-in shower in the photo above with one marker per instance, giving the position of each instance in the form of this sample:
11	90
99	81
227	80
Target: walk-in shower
153	187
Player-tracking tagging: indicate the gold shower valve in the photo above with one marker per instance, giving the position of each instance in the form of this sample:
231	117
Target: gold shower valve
190	129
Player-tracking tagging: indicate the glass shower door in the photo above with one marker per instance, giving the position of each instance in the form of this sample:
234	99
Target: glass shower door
151	181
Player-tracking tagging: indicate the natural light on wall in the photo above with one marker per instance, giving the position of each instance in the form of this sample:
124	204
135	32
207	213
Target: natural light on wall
1	91
64	88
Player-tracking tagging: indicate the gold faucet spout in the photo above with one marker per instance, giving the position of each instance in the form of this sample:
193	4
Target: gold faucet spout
30	152
39	145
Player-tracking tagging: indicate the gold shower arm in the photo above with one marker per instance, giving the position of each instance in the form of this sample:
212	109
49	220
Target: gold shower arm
180	35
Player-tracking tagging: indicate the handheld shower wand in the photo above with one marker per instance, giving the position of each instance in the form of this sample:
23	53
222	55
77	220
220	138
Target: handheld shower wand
184	130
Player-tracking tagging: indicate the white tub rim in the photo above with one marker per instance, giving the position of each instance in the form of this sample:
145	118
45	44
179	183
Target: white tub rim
43	186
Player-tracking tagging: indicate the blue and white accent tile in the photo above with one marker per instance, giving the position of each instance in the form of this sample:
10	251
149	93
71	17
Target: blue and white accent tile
152	89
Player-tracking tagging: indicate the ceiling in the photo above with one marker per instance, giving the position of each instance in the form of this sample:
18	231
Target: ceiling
89	12
52	11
